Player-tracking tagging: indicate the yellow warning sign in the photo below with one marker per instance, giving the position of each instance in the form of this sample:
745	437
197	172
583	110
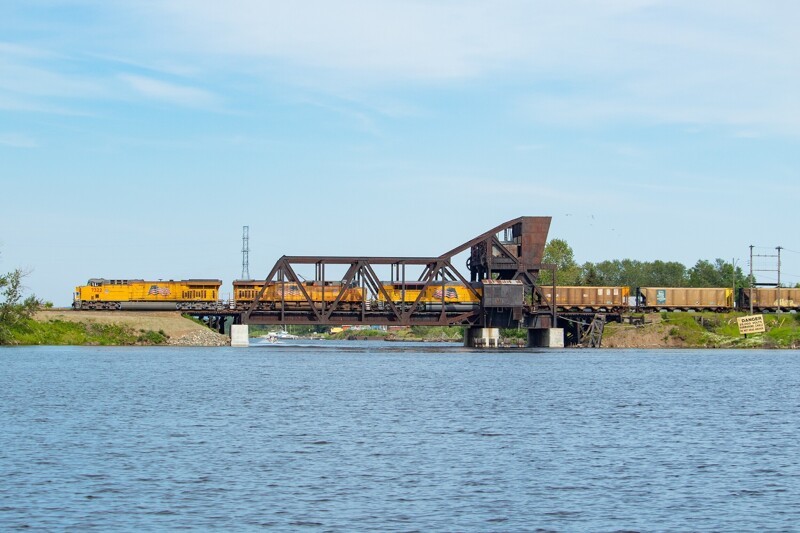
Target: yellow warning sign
751	324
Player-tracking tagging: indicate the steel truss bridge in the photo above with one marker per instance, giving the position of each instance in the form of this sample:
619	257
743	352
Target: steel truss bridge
504	263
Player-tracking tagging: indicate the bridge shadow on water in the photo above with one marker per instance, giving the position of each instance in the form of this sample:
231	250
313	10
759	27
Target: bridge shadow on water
295	346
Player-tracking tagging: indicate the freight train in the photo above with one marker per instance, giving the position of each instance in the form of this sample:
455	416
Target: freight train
204	294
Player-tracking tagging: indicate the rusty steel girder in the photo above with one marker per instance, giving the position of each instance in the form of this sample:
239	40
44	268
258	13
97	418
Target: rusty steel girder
510	251
361	274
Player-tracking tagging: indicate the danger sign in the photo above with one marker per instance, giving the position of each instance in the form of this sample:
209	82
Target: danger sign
751	324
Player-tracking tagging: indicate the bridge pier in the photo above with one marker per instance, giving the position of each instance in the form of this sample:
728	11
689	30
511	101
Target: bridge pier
546	338
482	337
240	335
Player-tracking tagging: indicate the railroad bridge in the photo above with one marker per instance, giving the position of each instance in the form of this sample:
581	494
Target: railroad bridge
501	289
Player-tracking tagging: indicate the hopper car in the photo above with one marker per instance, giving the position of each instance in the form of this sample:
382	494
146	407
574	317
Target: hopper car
685	299
770	299
589	299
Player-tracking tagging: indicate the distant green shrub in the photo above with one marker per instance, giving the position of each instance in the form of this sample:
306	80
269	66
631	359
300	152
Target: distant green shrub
152	337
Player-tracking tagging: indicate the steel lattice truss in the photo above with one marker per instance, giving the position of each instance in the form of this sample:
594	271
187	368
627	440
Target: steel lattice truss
361	274
515	256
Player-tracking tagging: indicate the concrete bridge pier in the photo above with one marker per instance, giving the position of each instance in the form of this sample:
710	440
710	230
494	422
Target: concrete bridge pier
240	335
482	337
546	338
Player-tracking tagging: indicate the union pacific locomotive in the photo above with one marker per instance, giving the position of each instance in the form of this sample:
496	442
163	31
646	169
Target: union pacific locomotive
100	293
204	294
288	295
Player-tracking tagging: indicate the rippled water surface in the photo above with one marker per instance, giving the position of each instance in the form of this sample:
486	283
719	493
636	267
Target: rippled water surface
382	436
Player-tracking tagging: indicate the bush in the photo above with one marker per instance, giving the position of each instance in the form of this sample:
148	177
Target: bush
514	333
152	337
15	312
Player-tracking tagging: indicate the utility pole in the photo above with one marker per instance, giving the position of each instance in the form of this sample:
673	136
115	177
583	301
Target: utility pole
771	270
245	252
779	277
752	280
733	278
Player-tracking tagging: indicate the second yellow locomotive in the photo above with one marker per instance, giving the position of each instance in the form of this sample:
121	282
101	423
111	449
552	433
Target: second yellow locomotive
289	295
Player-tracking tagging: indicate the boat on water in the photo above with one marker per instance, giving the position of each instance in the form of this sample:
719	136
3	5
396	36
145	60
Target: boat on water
281	335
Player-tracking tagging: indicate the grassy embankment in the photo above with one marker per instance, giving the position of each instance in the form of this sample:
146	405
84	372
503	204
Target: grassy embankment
704	330
60	332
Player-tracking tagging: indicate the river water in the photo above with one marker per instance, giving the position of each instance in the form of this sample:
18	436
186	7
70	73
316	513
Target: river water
357	436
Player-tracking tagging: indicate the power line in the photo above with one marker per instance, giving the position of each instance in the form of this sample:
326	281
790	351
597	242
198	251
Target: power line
776	256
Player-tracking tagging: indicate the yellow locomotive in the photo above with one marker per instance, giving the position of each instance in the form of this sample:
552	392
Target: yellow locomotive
290	296
455	296
100	293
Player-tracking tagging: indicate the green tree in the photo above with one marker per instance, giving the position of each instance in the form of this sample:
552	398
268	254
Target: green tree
720	273
633	273
14	309
606	273
625	272
590	275
703	274
663	274
559	253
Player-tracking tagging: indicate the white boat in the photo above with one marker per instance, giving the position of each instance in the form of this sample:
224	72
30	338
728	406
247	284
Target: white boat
280	335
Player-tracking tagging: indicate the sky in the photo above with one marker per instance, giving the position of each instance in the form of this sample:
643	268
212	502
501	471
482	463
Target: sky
138	137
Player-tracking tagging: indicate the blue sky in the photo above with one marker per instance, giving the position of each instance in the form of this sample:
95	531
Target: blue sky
137	138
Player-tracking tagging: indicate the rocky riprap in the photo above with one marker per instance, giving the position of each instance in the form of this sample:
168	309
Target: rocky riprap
200	338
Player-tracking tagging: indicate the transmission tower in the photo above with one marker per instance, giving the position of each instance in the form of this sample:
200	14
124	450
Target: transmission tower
245	252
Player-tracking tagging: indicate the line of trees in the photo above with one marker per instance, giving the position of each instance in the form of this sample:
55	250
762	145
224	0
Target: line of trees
634	273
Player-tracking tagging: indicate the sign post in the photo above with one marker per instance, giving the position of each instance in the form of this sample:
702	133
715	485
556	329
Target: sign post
751	324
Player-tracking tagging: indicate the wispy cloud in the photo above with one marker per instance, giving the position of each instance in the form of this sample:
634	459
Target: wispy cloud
40	80
30	77
378	39
719	62
578	63
169	92
16	140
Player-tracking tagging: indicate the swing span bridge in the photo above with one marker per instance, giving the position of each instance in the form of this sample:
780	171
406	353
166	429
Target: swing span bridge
501	284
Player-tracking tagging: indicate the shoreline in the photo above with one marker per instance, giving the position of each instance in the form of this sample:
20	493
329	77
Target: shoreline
171	328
